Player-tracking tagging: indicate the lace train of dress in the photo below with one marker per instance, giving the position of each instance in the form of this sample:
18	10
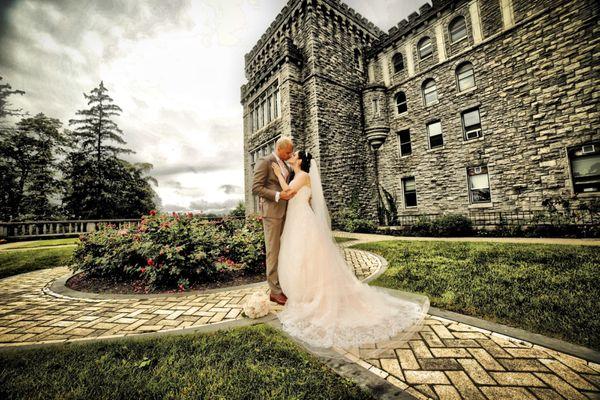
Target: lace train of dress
327	304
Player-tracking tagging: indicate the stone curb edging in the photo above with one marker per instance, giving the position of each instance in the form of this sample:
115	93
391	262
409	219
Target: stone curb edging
58	288
536	339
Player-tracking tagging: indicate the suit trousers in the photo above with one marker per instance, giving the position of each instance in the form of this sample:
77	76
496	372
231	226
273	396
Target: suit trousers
273	228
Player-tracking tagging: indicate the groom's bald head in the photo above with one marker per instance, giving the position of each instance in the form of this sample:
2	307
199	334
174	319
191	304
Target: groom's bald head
284	147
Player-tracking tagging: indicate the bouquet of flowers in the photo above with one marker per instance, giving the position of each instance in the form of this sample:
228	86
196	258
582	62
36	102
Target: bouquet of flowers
257	305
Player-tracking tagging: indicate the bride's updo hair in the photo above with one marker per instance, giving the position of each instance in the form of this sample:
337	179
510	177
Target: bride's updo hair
305	157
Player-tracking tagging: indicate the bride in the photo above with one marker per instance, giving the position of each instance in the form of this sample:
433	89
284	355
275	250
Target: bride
326	303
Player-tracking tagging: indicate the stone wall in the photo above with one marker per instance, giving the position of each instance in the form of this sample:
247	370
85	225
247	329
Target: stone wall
535	89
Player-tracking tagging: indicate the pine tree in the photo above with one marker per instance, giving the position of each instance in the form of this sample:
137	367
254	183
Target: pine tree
99	183
96	129
5	92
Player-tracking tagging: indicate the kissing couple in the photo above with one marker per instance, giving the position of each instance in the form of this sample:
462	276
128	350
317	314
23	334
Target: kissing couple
325	304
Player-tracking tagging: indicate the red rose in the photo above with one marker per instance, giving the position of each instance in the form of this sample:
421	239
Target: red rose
152	212
143	270
150	261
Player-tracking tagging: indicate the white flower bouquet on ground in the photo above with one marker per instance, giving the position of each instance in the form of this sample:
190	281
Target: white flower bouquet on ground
257	305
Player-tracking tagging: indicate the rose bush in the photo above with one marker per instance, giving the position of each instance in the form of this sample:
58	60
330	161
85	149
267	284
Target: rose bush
172	251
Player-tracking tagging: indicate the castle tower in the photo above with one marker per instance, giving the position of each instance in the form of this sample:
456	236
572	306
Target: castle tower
467	106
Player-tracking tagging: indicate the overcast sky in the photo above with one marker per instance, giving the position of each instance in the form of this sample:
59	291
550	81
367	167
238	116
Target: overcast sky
175	68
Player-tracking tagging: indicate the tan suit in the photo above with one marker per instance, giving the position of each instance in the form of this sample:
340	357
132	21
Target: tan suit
265	184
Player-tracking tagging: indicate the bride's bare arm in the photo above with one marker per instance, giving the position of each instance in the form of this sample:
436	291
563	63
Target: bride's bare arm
300	181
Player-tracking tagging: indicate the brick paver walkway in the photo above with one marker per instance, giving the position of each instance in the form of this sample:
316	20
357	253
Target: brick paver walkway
451	360
445	360
31	313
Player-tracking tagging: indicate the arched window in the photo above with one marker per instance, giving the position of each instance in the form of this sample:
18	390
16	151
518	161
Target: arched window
458	29
465	76
429	91
357	59
401	102
398	62
424	47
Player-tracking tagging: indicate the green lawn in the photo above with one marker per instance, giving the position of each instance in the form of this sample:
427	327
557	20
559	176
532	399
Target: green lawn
548	289
38	243
254	362
18	262
343	239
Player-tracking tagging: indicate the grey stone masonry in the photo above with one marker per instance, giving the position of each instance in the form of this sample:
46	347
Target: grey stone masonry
512	83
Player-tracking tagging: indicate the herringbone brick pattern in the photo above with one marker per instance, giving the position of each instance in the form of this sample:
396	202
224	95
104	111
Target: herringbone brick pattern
31	313
450	360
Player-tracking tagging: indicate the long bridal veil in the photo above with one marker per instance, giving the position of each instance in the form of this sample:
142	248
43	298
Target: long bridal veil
328	306
318	198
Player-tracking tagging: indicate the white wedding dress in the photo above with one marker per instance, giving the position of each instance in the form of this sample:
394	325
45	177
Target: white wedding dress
327	304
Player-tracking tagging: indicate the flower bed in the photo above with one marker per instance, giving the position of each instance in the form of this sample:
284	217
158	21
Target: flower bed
176	251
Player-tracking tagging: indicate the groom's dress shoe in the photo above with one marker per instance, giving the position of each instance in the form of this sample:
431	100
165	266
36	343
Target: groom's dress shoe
278	298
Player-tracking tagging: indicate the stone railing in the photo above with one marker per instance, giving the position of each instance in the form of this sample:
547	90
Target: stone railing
40	229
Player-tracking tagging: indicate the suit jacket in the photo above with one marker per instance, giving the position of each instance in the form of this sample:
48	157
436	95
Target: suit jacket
265	184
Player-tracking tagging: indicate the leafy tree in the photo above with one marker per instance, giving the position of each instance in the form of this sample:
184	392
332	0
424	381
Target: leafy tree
28	171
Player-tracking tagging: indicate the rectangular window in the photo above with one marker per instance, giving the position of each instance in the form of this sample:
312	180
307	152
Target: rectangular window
479	185
266	108
410	192
405	145
471	124
585	168
434	131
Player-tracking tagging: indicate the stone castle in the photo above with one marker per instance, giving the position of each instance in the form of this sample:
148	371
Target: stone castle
465	106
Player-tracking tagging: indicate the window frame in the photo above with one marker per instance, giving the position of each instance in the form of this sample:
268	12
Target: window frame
405	102
579	152
423	88
400	143
266	107
458	78
399	56
454	21
489	186
464	128
441	134
404	192
421	43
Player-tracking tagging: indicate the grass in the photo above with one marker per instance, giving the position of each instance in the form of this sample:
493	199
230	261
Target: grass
254	362
548	289
18	262
38	243
343	239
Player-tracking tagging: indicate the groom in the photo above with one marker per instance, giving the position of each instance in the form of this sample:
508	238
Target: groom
273	205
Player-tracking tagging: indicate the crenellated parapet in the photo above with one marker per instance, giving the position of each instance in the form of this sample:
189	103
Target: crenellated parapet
290	18
426	13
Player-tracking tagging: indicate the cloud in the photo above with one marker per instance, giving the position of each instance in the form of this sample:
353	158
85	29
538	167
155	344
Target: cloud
175	68
211	206
231	189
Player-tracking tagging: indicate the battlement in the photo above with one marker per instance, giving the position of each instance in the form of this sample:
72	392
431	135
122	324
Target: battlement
294	10
413	21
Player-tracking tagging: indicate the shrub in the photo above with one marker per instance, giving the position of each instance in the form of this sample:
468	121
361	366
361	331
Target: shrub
165	251
452	225
348	219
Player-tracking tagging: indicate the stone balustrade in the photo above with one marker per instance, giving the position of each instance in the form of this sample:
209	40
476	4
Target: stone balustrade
39	229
